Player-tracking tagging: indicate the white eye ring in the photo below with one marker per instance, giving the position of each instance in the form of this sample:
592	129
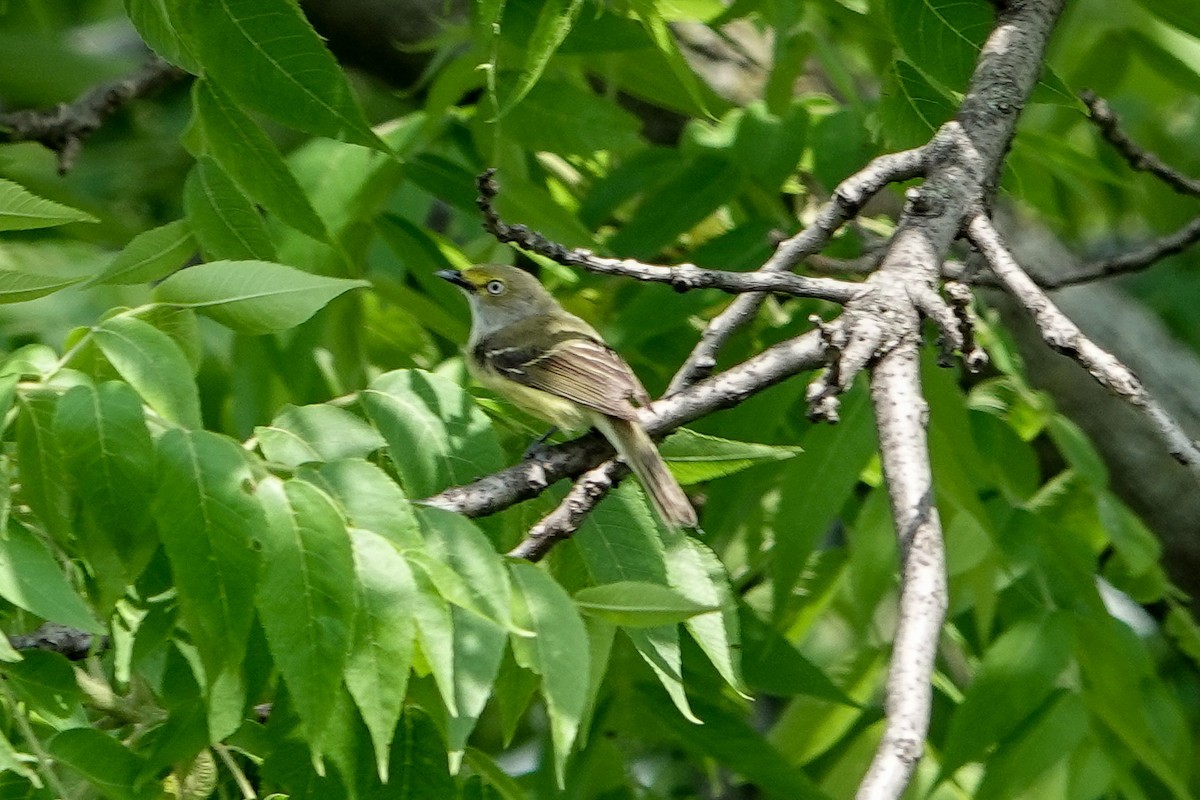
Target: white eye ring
495	287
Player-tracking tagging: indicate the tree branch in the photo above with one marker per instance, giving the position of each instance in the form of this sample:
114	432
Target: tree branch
1139	158
70	642
848	199
901	415
495	492
64	128
681	277
1135	260
1064	336
590	488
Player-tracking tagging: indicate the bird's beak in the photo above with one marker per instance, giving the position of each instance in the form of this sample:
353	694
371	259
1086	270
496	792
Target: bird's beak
455	277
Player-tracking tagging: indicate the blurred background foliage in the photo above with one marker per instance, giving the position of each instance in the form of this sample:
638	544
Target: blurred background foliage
689	130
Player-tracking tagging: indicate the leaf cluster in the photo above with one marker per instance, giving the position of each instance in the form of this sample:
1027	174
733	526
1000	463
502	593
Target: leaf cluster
229	372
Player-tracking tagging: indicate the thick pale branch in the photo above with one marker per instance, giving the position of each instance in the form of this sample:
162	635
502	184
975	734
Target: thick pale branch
495	492
901	416
64	128
1064	336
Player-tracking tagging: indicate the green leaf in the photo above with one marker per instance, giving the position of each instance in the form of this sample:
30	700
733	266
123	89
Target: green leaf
31	579
381	652
912	108
17	287
1184	16
154	365
157	22
697	457
838	454
223	219
558	652
370	499
1079	452
435	635
151	255
770	146
619	542
45	683
696	191
638	605
249	156
100	758
554	21
697	574
40	464
478	648
659	31
1017	674
436	435
14	762
560	117
456	542
943	36
106	449
267	57
207	516
733	743
419	765
21	210
300	434
1052	735
1116	672
1161	60
306	597
772	665
252	296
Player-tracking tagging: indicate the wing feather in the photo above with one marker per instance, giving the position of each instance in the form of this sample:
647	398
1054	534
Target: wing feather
576	366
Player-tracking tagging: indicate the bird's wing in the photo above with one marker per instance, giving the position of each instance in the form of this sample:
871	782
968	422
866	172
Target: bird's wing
573	364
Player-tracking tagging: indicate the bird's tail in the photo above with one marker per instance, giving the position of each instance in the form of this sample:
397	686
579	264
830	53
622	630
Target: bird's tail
639	452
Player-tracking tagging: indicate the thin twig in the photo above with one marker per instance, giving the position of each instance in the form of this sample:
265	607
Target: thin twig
1137	156
1064	336
1145	256
681	277
64	128
590	488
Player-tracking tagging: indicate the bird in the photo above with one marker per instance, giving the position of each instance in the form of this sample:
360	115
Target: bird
533	352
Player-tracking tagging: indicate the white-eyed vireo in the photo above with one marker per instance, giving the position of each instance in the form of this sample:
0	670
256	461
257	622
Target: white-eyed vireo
531	350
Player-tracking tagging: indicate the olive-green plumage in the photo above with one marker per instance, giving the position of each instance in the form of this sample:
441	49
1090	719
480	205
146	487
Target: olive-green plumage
531	350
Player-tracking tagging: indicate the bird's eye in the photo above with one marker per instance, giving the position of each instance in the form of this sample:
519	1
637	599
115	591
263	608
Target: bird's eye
495	287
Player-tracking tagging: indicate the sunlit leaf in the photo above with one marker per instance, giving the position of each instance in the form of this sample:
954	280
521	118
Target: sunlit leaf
22	210
306	596
252	296
224	221
249	156
436	435
382	649
697	457
300	434
558	652
154	365
151	255
267	56
207	515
